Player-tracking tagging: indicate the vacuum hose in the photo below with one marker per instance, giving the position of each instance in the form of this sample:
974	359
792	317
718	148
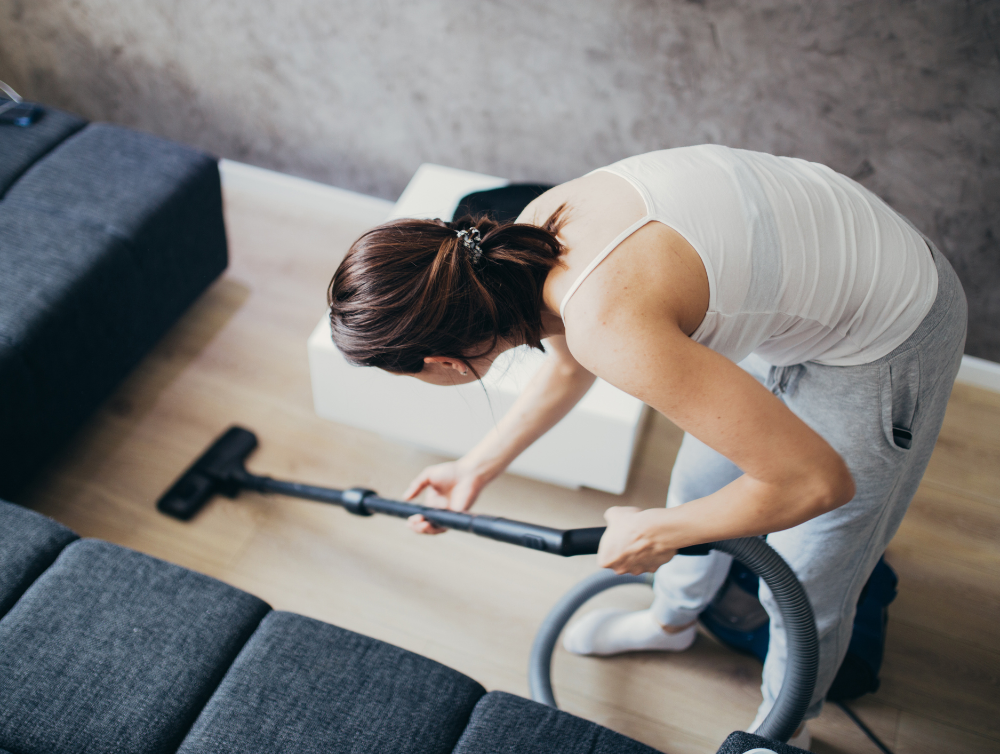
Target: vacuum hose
796	614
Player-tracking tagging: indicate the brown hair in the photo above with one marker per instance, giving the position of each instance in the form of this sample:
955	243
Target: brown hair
410	289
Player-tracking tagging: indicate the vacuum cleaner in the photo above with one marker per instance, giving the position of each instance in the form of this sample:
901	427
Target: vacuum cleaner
221	469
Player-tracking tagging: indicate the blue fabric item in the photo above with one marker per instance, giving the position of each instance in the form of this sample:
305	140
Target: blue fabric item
22	147
752	640
740	742
304	686
507	724
103	245
858	673
111	650
29	542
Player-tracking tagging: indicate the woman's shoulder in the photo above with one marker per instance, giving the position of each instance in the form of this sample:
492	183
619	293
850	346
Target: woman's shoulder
592	198
597	185
542	207
653	274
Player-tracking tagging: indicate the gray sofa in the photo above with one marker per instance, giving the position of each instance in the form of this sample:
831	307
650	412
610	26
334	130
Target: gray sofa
103	649
106	236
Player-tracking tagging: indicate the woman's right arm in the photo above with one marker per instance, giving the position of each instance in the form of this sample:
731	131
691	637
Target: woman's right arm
558	385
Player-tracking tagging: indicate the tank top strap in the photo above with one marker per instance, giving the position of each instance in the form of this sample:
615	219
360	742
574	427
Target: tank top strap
600	258
617	240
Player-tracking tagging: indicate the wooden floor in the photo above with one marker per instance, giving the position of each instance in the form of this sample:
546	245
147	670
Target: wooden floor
239	356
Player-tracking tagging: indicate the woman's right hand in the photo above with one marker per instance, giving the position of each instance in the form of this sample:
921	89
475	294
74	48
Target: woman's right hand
556	387
450	485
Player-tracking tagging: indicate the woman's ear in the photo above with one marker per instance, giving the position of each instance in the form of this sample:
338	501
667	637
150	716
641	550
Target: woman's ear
447	363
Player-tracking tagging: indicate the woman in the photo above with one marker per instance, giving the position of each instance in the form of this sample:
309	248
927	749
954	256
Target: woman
802	334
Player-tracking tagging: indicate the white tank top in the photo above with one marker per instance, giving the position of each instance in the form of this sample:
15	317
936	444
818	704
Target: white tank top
803	263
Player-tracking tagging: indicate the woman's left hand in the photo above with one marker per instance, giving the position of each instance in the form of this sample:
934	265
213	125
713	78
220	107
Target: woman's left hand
630	544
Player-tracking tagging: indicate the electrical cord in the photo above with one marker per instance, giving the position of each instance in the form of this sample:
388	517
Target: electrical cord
15	98
10	92
864	728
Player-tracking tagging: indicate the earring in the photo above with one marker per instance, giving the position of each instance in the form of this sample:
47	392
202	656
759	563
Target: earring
465	373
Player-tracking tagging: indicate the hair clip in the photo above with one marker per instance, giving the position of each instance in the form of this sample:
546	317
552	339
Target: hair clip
471	241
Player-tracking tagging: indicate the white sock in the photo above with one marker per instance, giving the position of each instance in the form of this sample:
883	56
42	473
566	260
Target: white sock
611	631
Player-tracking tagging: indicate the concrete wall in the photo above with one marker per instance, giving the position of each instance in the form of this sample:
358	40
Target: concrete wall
904	96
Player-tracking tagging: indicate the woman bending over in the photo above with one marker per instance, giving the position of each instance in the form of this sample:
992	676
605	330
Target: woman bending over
803	334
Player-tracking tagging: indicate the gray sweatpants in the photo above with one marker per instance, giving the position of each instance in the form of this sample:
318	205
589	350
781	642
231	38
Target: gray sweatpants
856	409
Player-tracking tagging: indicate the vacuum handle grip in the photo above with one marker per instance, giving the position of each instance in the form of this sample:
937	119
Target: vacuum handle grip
586	542
582	541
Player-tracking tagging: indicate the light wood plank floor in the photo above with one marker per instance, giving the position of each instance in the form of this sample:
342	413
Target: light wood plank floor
238	356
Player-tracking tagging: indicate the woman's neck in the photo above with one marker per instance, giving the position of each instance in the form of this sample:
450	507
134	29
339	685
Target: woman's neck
552	324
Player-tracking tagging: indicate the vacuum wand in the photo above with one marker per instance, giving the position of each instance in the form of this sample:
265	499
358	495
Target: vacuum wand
221	470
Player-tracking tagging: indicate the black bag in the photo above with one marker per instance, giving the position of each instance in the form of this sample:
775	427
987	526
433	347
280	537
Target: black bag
502	204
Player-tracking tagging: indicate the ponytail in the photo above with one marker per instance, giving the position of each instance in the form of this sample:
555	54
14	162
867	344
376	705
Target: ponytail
409	289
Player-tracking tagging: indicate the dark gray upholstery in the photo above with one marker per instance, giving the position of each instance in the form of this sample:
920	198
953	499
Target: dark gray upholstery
29	542
103	244
67	331
20	147
305	686
114	651
740	742
507	724
110	650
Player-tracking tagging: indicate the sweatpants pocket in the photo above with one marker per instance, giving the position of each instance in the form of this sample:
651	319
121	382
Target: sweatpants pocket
900	388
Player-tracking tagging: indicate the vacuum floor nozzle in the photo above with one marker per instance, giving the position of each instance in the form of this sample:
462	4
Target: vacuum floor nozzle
219	470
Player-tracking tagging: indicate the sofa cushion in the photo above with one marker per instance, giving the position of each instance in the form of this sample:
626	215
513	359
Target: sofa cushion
112	650
22	147
69	331
29	542
300	685
163	200
106	242
507	724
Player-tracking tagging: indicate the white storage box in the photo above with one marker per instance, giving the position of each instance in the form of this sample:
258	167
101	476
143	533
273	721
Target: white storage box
591	447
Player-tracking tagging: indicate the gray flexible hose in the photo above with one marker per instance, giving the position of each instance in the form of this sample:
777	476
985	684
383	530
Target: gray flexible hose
796	613
540	661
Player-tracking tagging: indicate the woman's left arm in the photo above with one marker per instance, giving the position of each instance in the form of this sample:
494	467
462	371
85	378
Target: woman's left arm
791	474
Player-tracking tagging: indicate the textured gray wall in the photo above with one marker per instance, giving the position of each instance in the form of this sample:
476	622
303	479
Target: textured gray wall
904	96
